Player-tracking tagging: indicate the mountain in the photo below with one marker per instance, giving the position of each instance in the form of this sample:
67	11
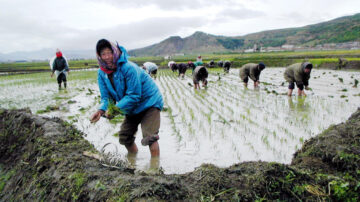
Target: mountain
199	42
339	30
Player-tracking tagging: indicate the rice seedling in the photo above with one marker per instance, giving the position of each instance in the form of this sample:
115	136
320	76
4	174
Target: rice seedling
356	82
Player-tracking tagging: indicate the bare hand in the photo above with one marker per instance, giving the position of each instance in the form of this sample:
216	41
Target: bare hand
96	116
52	75
108	116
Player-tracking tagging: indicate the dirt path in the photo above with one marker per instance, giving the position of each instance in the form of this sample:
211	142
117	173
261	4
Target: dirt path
42	159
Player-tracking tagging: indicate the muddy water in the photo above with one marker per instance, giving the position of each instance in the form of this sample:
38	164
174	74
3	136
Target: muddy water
223	125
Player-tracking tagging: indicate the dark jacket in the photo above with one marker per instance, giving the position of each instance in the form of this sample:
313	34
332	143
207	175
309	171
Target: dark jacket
182	68
220	63
250	70
296	73
174	67
227	64
200	74
191	65
60	64
212	63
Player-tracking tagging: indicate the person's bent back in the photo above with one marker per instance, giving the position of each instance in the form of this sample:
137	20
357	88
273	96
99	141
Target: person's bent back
298	73
151	68
182	67
252	71
200	74
227	66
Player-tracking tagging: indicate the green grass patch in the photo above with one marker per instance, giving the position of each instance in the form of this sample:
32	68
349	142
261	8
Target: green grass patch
48	109
4	177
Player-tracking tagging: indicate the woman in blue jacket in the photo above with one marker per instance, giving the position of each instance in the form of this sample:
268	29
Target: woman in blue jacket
135	94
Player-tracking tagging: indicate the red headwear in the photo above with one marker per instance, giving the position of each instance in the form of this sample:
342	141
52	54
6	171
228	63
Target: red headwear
58	54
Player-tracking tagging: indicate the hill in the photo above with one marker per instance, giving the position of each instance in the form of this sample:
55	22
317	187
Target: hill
339	30
199	42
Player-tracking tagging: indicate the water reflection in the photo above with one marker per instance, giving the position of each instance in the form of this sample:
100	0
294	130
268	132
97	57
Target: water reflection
154	163
132	159
300	104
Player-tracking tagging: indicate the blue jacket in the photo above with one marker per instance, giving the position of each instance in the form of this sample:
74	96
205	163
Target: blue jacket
135	91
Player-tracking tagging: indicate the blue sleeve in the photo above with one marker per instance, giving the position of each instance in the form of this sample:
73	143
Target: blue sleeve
133	89
104	93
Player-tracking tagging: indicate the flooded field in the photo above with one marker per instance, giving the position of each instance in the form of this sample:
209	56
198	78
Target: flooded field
222	125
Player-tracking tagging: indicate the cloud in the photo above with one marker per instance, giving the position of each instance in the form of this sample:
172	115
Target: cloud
171	4
24	32
134	35
241	13
78	24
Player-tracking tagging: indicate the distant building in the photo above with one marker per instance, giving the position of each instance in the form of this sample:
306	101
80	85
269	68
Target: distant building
273	49
251	50
288	47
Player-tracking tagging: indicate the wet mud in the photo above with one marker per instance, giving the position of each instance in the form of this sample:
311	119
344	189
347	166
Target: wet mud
42	159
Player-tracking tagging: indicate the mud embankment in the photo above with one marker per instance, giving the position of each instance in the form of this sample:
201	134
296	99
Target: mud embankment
354	65
41	159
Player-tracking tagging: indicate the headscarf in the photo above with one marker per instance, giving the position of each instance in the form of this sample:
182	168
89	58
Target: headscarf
261	66
116	55
58	53
307	65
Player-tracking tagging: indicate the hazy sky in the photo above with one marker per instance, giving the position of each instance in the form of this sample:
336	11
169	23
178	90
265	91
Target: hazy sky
27	25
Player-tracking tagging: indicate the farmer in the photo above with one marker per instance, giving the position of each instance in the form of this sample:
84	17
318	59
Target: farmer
60	67
182	67
134	93
191	65
170	65
200	74
253	71
220	63
173	67
342	63
298	73
151	68
199	59
227	65
211	64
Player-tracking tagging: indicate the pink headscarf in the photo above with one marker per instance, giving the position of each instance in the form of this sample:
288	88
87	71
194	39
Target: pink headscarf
116	55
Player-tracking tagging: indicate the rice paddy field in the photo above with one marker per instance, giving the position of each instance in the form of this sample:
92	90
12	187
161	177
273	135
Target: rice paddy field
223	124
